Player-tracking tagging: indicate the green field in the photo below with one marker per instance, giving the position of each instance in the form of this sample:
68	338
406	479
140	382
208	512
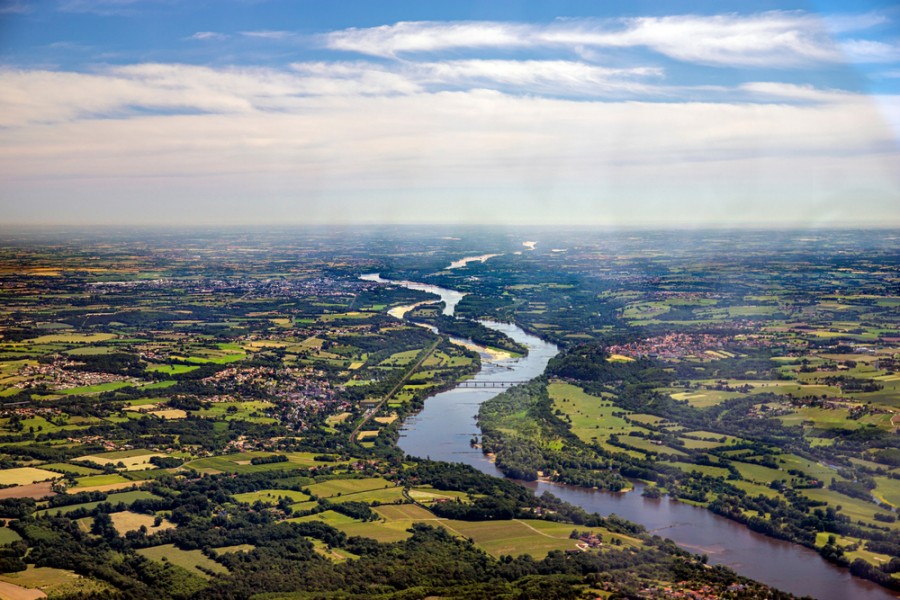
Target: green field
240	463
70	468
172	369
692	444
705	469
404	512
271	496
251	411
126	498
333	554
91	351
379	496
339	487
646	445
106	479
220	355
755	489
387	531
887	490
591	417
235	548
822	418
8	536
812	468
72	338
96	389
193	560
517	537
759	473
700	398
854	508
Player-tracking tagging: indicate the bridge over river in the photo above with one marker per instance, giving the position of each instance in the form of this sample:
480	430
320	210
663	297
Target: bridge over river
473	383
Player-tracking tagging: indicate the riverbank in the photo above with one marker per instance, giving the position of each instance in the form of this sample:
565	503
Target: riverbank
444	428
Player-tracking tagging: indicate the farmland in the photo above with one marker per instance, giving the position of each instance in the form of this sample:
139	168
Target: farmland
179	419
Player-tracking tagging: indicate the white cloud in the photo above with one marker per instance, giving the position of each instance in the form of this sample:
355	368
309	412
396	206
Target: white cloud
268	34
54	96
208	35
484	132
770	90
13	7
868	51
318	119
845	23
770	39
107	8
550	77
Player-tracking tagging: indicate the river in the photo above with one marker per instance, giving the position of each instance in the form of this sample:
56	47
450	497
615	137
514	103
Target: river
444	428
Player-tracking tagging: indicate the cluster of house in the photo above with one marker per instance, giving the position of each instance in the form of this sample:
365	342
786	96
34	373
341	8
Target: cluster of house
59	376
672	345
689	591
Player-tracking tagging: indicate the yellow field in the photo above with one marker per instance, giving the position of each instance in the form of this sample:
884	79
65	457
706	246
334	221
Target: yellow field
169	413
333	554
46	580
26	475
11	591
128	521
261	344
404	512
134	461
312	343
33	490
109	487
72	338
428	495
619	358
338	418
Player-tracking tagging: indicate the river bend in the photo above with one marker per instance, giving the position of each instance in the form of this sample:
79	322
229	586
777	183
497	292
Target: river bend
444	428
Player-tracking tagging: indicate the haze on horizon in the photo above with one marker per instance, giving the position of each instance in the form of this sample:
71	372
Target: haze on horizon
269	112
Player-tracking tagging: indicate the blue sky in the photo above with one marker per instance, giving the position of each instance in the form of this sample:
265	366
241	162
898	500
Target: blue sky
267	111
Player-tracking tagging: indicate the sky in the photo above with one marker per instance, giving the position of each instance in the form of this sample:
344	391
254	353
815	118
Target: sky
256	112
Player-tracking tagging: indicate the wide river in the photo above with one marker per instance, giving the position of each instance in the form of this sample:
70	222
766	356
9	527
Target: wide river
444	428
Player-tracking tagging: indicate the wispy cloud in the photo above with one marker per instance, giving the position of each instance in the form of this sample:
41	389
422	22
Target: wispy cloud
770	39
870	51
40	96
11	7
106	7
269	34
205	36
250	132
547	77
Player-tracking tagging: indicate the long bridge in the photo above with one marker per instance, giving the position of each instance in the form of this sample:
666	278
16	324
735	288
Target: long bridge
490	384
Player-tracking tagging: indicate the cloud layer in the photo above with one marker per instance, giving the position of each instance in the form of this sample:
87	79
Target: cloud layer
456	114
773	39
